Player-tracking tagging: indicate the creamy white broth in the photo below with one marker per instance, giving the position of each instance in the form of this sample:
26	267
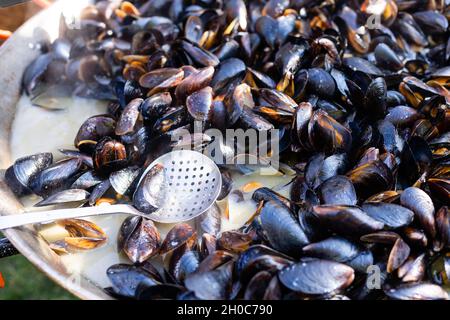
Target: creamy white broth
38	130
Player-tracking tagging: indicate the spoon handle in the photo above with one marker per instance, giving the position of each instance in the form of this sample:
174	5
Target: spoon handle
18	220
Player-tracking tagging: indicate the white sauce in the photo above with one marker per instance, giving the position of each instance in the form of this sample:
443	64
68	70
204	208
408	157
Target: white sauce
38	130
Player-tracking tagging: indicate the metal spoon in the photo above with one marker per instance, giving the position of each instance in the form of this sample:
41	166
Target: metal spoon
192	184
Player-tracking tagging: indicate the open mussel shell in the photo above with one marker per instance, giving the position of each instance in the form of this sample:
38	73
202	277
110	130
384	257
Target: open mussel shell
439	270
328	135
316	277
93	130
83	235
234	241
179	235
109	155
161	79
371	178
36	71
18	176
139	239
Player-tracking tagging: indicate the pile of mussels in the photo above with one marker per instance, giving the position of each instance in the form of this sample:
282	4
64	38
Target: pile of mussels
359	92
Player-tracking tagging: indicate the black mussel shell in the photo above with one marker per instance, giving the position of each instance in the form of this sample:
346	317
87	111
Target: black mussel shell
212	285
229	70
386	58
126	279
66	197
376	96
257	286
156	105
58	177
18	176
328	135
398	255
281	228
129	118
371	178
158	292
93	130
251	254
321	83
346	220
194	82
199	104
392	215
316	277
267	194
338	190
335	248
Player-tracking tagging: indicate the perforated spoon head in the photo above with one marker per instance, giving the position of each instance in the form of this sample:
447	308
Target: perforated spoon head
191	185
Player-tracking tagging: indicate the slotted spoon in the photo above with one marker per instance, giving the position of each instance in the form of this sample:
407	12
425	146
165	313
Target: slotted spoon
192	183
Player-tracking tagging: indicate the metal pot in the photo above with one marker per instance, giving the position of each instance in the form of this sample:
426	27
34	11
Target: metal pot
15	55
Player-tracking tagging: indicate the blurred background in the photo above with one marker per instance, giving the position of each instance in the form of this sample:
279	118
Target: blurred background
23	280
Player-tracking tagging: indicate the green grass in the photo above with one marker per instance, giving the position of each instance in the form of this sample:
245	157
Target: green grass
23	281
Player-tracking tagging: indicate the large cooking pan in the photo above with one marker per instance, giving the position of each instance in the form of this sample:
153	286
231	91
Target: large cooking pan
15	55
